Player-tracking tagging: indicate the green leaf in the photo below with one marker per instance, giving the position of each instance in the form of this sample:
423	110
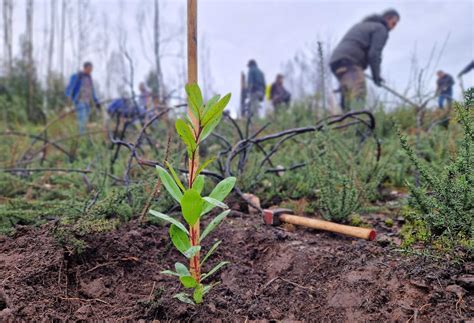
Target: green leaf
220	192
204	165
213	224
192	251
210	252
198	184
181	269
215	202
216	110
188	281
175	176
191	206
198	293
194	98
213	270
208	128
186	135
169	184
169	272
211	102
183	297
180	239
169	219
190	124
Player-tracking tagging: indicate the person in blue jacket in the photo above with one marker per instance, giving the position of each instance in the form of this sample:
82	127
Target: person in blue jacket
256	87
444	89
80	91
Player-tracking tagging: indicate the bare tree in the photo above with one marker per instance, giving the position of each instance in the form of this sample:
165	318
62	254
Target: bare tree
84	30
156	43
7	34
29	56
80	31
105	50
62	37
49	63
322	75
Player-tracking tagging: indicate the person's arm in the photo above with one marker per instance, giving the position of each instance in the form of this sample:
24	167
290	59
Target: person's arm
70	87
94	96
378	41
469	67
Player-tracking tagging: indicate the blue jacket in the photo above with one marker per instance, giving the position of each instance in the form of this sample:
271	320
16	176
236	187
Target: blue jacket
256	80
445	84
125	108
74	87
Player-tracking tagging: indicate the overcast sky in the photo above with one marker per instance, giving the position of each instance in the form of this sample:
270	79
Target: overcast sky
273	31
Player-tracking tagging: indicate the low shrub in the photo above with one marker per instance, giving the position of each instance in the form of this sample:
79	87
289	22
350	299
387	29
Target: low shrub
443	205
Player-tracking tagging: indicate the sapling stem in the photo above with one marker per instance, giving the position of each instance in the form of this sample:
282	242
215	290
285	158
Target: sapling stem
194	230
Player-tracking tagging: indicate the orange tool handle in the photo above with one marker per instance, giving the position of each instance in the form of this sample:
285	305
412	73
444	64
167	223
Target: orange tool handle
363	233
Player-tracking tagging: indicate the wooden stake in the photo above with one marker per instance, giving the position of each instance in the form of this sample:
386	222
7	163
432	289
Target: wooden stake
194	266
192	41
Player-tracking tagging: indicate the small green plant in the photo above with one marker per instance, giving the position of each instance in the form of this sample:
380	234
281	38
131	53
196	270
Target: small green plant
344	176
444	203
193	129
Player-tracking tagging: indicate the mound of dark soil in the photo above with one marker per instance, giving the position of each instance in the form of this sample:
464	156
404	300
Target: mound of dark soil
274	274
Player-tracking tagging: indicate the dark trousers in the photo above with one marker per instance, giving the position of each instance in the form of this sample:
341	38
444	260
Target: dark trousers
445	96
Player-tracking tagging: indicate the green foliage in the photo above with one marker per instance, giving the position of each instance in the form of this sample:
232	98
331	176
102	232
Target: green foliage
16	96
341	173
444	203
339	196
193	205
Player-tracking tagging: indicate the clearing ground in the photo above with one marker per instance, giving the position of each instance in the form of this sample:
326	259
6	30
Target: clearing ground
275	273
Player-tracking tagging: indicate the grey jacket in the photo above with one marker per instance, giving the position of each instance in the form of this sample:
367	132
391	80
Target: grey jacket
363	44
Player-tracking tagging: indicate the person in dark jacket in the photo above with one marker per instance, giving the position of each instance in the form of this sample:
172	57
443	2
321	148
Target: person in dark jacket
278	94
444	89
467	69
82	93
255	87
360	48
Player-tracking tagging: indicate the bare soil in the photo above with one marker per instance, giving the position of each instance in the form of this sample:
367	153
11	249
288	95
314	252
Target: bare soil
275	274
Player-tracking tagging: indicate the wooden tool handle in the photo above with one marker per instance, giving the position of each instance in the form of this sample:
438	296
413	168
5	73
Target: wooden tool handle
364	233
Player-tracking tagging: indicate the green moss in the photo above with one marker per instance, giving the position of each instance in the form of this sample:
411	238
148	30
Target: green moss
112	206
389	222
356	220
415	229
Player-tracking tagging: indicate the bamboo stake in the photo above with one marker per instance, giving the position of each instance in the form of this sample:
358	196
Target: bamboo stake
194	267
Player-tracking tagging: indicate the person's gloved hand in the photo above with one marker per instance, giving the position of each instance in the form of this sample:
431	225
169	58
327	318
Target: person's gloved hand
98	106
378	81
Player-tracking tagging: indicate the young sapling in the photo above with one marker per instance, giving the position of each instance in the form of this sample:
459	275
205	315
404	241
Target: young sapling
193	129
